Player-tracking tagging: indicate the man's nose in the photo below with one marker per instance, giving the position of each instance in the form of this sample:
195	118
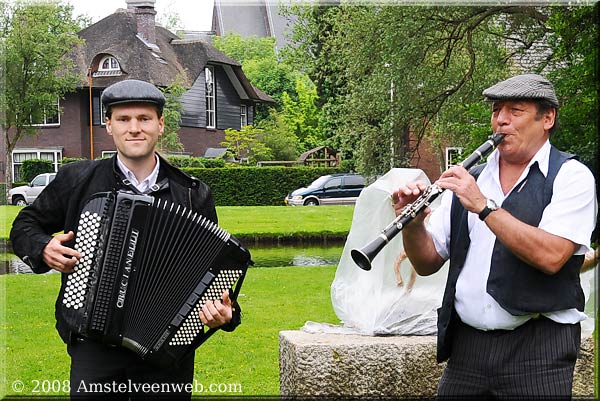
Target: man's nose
503	116
134	125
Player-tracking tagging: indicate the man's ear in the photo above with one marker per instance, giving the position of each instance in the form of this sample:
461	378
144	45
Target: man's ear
549	119
161	124
108	126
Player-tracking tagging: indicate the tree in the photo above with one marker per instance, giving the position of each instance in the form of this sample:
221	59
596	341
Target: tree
574	73
169	140
296	113
303	117
36	73
400	70
245	144
261	65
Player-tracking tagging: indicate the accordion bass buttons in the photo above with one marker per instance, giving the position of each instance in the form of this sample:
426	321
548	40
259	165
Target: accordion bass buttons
76	287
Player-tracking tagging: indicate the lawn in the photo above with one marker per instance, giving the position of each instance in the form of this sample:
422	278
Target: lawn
272	299
256	220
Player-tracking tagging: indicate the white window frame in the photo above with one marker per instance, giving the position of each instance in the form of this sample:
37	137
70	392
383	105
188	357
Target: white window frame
457	150
35	154
108	153
113	64
210	88
102	117
243	115
45	122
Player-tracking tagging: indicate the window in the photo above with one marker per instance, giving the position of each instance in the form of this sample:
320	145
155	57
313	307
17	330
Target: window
109	63
210	97
334	183
354	181
108	153
19	156
453	156
49	117
38	181
108	67
102	119
243	116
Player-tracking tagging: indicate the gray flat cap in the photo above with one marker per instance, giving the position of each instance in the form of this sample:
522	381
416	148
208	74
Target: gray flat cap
132	91
526	86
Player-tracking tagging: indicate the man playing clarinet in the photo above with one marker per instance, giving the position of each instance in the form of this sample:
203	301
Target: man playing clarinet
515	231
135	122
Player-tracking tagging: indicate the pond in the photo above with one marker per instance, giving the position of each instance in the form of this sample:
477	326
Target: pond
263	256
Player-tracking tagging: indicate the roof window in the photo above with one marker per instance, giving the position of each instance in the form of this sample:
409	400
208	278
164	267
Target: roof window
108	66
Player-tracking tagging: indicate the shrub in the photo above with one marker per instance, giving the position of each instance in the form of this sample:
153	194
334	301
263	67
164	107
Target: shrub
66	160
213	163
182	161
256	186
32	167
2	193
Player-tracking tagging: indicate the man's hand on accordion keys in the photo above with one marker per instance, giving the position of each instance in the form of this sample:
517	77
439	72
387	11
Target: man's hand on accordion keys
218	312
60	257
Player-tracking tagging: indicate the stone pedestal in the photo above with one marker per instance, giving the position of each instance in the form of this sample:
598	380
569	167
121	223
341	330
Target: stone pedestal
337	365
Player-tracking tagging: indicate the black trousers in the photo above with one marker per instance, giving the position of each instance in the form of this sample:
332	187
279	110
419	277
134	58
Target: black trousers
533	362
100	371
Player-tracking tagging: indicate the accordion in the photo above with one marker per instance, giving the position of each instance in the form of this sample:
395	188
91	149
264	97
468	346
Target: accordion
147	269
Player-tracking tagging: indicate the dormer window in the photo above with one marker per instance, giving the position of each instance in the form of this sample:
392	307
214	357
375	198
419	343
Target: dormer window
108	67
109	63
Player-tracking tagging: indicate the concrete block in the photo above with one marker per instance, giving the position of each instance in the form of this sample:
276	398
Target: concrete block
344	365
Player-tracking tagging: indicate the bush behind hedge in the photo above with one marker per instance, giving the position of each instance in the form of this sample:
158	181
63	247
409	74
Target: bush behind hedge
32	167
257	186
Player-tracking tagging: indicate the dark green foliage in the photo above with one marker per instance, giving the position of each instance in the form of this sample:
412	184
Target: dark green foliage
213	163
31	168
256	186
182	161
195	162
3	193
66	160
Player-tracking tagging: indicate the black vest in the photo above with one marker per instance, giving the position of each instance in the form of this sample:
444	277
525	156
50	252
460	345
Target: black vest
518	287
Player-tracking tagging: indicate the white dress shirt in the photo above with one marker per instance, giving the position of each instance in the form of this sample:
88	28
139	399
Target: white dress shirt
146	183
571	214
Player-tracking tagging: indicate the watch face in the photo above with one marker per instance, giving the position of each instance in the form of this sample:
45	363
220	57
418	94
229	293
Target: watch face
491	204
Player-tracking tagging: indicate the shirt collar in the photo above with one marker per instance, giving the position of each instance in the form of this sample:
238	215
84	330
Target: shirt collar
148	182
542	157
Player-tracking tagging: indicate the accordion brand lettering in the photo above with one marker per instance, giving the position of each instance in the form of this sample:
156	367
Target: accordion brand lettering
127	267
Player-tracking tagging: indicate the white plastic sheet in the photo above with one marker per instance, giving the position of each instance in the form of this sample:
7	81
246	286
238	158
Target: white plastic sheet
375	302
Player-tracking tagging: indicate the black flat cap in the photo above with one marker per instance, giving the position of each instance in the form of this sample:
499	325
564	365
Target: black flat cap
526	86
132	91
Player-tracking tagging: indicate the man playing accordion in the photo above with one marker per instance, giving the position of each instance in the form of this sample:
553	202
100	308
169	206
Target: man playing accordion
135	122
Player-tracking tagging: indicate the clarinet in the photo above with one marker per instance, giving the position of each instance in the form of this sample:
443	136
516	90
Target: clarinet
364	256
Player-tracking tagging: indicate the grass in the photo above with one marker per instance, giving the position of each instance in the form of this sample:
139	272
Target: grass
256	220
272	300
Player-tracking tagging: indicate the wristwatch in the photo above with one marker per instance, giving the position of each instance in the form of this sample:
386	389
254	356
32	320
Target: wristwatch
490	206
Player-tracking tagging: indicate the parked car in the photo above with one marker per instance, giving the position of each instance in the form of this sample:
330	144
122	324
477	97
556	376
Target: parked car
334	189
26	194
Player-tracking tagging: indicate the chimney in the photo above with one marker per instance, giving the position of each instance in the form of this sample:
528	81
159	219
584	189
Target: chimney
144	18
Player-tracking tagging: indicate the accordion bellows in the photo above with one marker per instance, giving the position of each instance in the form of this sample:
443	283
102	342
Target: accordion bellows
147	269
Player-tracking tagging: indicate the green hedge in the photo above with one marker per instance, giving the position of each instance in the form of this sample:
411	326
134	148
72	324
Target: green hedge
198	162
31	168
3	193
256	186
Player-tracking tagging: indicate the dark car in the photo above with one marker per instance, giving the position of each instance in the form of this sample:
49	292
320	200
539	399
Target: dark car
334	189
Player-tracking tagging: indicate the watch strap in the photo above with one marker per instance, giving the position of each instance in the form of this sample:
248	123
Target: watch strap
484	213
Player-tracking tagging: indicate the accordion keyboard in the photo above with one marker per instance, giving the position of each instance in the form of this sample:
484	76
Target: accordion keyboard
192	325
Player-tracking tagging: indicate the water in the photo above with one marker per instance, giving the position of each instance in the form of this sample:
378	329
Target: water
263	256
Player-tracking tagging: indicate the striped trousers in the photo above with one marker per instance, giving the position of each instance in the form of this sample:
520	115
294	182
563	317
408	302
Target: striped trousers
532	362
